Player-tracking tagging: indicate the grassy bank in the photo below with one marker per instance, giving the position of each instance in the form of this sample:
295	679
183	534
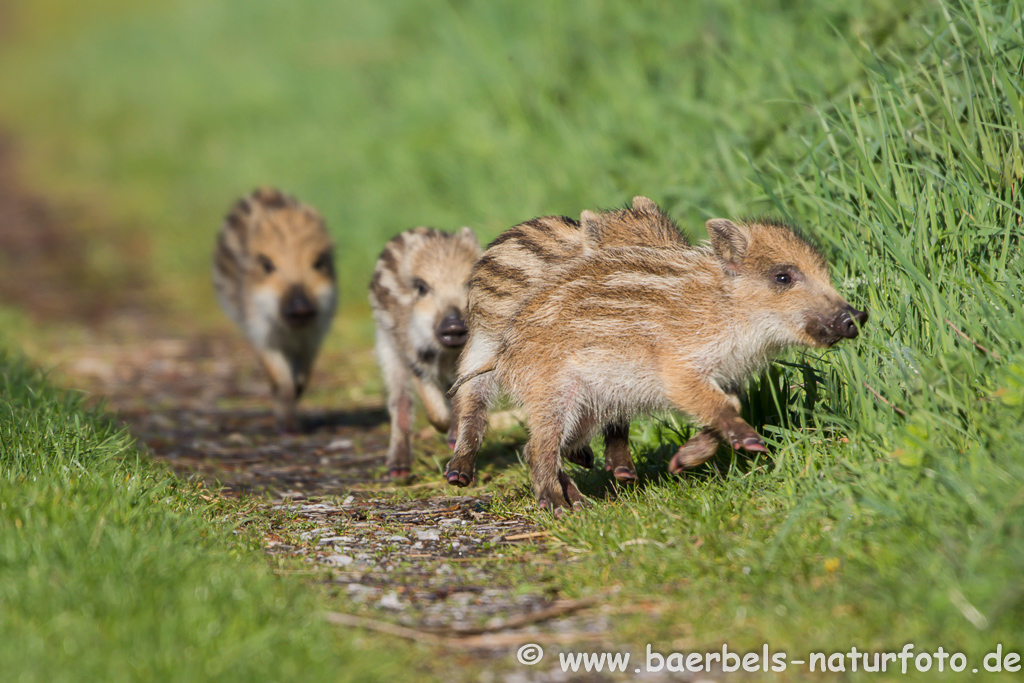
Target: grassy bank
893	512
115	571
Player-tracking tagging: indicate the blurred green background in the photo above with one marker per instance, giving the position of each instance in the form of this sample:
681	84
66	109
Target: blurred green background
391	115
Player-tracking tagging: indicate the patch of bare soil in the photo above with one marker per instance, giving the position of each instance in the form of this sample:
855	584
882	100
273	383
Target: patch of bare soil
47	269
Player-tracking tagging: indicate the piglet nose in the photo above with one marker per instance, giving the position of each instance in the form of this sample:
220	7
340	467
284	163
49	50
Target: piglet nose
452	330
296	308
850	321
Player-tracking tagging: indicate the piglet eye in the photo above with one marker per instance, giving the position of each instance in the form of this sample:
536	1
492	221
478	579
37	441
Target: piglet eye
323	263
783	278
420	286
265	263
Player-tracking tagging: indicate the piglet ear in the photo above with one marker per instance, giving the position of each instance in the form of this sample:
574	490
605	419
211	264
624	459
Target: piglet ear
729	242
270	197
469	236
645	205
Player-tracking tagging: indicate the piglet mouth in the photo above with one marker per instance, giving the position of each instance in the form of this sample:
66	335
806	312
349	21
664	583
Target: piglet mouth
452	331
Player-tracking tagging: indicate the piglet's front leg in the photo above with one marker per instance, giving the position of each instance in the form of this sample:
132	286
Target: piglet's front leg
282	384
713	408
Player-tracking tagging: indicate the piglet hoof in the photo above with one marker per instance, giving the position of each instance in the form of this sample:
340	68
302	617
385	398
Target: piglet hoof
453	438
680	462
556	507
572	495
751	444
456	477
624	475
584	457
562	497
399	473
685	461
697	451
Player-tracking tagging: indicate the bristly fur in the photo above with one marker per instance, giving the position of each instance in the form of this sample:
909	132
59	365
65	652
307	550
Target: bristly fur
629	330
273	272
418	284
809	238
518	262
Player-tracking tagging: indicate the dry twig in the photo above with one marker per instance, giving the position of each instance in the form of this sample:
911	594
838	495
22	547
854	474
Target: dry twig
901	413
976	344
483	637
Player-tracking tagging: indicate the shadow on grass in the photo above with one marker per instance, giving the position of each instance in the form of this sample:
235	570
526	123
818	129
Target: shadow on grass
366	417
651	462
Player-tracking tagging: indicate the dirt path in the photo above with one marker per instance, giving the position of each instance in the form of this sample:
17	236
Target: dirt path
418	557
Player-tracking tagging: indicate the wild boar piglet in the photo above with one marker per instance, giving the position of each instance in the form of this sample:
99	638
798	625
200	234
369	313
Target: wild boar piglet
273	272
418	294
633	330
520	261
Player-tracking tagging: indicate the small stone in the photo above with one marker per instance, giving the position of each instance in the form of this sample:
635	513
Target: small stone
390	601
428	536
339	560
306	535
334	539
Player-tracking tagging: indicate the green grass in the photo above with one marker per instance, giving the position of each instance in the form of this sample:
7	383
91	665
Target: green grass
892	508
115	571
910	528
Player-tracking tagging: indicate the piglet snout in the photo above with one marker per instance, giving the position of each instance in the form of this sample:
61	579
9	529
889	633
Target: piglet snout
452	331
296	307
849	322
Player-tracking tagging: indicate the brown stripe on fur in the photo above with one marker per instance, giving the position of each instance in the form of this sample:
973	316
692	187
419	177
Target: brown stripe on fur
225	258
490	265
483	284
236	221
544	222
541	224
381	293
429	233
537	249
388	259
504	237
397	244
272	198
